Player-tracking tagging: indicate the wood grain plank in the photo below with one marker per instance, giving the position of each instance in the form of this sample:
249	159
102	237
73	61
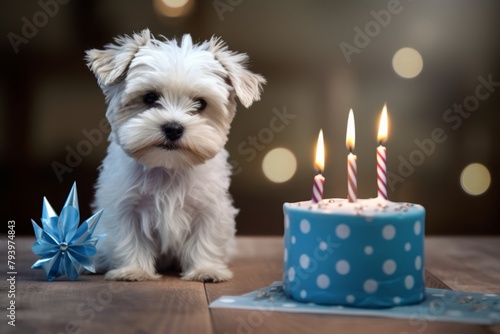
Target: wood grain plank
93	305
465	264
431	281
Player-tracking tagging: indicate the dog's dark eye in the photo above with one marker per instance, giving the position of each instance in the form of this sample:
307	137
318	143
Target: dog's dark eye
200	104
150	98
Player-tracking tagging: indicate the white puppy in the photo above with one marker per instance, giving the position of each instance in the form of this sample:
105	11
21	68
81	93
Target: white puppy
164	182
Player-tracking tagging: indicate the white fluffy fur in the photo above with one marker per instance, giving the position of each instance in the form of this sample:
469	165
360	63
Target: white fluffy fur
162	205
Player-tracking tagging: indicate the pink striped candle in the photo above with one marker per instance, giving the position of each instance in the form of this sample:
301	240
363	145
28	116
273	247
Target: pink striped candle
317	194
381	155
319	165
381	172
352	186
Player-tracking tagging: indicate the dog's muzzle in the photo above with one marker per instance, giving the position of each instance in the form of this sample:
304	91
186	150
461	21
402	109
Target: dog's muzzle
173	132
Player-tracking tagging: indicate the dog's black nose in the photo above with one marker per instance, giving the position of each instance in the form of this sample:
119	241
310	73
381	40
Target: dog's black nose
173	131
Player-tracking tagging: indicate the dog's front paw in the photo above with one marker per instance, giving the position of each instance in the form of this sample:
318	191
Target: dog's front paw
130	274
208	274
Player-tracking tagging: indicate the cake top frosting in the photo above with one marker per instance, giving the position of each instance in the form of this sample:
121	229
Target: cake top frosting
363	207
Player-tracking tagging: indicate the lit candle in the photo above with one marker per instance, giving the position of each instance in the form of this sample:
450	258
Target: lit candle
381	155
319	165
352	187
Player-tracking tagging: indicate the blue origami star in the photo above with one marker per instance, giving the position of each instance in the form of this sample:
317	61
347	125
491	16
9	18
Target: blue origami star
64	247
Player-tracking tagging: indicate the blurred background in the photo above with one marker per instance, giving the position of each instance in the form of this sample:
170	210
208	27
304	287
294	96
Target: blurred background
435	64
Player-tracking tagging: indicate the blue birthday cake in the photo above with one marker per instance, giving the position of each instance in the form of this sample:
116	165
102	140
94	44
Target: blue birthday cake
364	254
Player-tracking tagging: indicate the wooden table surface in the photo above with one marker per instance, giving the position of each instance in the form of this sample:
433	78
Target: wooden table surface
170	305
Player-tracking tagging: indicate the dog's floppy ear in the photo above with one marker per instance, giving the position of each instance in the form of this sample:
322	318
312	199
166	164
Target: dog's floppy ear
247	85
113	61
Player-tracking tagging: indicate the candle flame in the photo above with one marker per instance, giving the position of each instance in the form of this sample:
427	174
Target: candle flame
351	132
383	126
319	163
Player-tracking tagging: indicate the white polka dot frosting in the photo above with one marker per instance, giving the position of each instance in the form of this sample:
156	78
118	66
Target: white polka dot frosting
291	274
409	282
364	254
304	261
368	250
407	247
370	286
342	267
305	226
388	232
343	231
323	281
418	262
389	267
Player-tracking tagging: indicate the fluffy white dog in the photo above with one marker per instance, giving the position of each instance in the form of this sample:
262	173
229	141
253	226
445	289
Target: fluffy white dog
164	182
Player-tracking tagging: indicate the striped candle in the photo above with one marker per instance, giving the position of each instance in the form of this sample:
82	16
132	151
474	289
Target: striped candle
317	194
352	186
319	165
381	155
381	172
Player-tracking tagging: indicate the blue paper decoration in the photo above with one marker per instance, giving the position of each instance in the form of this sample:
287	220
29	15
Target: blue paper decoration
64	247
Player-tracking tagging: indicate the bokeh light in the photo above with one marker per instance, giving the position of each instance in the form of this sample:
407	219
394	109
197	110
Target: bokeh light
175	3
475	179
407	63
279	165
173	8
